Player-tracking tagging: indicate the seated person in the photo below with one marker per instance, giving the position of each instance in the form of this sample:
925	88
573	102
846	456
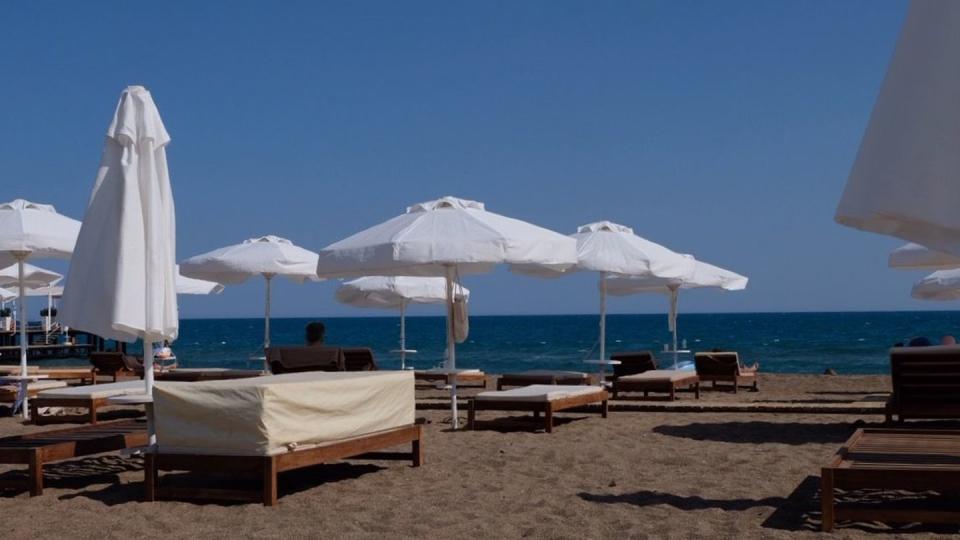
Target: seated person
315	333
948	340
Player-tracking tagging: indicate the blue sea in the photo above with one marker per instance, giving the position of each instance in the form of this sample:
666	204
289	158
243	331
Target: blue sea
782	342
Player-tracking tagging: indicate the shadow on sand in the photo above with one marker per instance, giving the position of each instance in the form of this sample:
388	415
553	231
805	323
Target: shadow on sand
77	474
795	433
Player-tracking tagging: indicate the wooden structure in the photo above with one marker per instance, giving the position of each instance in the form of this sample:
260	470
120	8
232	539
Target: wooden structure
926	382
542	377
714	367
268	467
36	449
658	380
913	460
115	364
465	378
319	358
546	406
632	362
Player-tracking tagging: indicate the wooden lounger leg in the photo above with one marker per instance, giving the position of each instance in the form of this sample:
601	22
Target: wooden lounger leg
696	390
34	414
472	415
826	499
150	477
418	448
36	474
604	409
673	393
548	416
269	481
93	414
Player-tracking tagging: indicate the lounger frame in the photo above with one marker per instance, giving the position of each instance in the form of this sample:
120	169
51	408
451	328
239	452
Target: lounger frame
461	378
653	385
91	404
548	408
905	459
36	449
521	379
268	467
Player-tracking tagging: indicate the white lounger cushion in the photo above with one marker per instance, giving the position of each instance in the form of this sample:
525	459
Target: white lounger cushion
278	413
659	375
547	373
539	392
33	386
445	371
95	391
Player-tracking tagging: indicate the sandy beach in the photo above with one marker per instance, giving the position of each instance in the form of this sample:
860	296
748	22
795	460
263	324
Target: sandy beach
633	475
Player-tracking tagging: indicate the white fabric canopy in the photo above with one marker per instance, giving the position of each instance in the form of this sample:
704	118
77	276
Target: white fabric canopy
266	256
36	230
6	295
904	182
34	277
186	285
940	285
122	281
30	230
395	292
613	249
916	257
52	291
446	237
703	275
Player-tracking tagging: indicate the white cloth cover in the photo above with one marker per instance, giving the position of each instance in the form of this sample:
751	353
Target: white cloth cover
615	249
187	285
703	275
395	291
122	275
916	257
449	231
34	277
940	285
36	229
53	291
539	392
269	255
904	181
6	295
278	413
445	371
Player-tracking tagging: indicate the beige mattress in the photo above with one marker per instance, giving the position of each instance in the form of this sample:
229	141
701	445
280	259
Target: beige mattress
95	391
539	392
279	413
659	375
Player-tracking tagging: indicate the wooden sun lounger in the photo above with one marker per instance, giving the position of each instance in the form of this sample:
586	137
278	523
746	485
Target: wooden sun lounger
36	449
529	399
717	367
204	374
658	380
268	467
89	397
925	381
527	378
9	392
467	376
892	459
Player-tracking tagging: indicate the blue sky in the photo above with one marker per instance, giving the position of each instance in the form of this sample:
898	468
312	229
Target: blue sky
722	129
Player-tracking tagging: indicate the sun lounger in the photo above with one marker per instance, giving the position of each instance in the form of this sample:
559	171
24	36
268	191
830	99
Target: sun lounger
714	367
315	358
84	375
444	376
632	362
90	397
926	382
10	392
36	449
276	423
358	359
542	376
892	460
206	374
658	380
538	398
115	364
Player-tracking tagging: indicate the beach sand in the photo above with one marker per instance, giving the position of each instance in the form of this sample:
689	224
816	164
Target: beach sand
633	475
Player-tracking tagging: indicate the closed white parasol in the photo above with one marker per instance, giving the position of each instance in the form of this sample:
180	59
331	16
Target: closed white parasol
446	237
122	280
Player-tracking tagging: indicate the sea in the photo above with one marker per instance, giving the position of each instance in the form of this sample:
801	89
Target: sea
847	342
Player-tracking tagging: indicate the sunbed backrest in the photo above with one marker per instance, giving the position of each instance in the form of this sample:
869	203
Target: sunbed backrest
926	377
359	359
633	362
296	359
717	363
111	362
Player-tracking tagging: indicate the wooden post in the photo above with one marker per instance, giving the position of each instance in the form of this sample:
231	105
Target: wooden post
418	447
472	415
549	418
604	408
826	499
150	477
36	473
269	481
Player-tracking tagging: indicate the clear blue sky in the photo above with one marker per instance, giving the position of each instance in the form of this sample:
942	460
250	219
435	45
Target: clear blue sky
722	129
